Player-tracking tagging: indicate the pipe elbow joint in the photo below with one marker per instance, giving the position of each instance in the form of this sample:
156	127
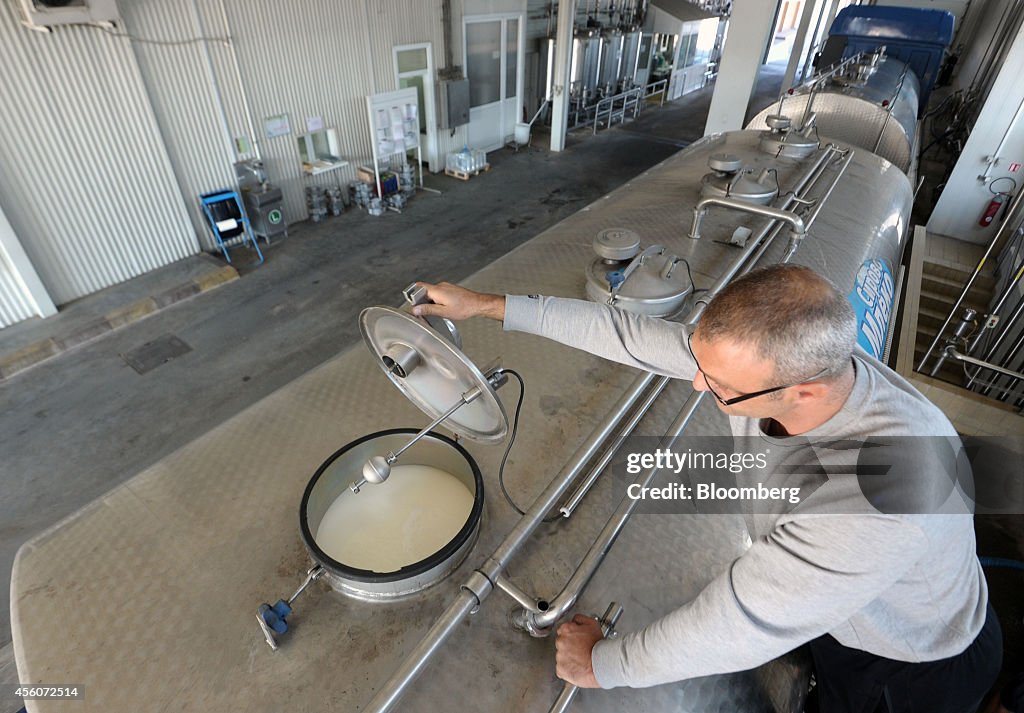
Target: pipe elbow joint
525	620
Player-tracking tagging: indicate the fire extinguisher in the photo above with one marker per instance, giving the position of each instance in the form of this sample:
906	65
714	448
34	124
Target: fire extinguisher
999	199
992	209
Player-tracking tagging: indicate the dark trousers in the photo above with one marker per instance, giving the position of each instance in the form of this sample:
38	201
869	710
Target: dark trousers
854	681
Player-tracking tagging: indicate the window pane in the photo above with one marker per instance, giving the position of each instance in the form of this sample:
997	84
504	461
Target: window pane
511	55
417	82
412	60
483	62
645	52
706	41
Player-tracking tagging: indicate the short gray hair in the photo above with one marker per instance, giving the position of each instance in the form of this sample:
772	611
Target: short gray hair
794	318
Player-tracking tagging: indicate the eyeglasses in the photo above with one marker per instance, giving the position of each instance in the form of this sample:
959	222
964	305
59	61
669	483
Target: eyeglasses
743	397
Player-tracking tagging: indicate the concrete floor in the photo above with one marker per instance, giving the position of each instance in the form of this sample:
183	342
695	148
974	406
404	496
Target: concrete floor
79	424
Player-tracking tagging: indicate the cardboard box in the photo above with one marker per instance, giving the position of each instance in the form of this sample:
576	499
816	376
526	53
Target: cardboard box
366	175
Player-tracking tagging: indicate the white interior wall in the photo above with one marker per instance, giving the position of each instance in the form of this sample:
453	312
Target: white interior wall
982	26
965	196
22	294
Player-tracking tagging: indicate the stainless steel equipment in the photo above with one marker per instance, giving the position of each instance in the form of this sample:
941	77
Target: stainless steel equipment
652	281
729	179
263	200
422	356
585	65
869	106
226	499
611	61
814	200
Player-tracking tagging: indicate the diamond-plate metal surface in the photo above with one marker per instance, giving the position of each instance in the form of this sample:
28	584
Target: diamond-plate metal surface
148	596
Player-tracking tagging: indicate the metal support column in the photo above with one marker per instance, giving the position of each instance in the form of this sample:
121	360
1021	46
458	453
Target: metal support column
812	8
12	254
750	30
560	83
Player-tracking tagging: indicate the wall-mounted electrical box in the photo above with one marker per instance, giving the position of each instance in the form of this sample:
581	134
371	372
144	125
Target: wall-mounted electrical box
44	14
453	103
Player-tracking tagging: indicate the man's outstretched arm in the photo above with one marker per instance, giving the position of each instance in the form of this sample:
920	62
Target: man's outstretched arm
646	343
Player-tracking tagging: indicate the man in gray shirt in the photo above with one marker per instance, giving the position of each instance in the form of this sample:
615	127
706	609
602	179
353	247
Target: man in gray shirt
883	581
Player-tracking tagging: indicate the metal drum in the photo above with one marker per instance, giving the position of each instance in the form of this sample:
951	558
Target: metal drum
333	480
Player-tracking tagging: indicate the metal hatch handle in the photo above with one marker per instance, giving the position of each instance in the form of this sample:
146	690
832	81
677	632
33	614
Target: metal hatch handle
632	267
416	295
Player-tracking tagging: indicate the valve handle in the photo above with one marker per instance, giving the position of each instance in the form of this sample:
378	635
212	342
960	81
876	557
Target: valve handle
273	619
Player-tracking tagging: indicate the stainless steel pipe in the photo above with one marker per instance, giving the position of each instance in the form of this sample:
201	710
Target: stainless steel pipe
570	505
951	353
539	623
766	211
608	621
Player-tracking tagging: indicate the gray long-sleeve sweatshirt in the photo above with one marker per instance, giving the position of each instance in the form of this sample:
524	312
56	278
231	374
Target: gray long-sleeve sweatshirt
907	587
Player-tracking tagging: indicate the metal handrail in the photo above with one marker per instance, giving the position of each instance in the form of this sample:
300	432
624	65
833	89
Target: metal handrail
951	353
815	79
650	90
1010	219
629	98
1008	325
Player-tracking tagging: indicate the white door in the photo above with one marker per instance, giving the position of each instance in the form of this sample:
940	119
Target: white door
414	67
494	61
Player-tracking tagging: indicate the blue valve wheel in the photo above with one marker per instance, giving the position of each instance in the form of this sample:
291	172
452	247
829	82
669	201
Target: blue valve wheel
274	616
615	278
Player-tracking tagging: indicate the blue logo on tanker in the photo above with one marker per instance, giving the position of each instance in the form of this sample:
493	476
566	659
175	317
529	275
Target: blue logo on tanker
871	298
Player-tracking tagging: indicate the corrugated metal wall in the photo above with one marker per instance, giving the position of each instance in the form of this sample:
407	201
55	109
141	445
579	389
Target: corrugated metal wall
393	23
84	180
288	64
106	142
179	81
